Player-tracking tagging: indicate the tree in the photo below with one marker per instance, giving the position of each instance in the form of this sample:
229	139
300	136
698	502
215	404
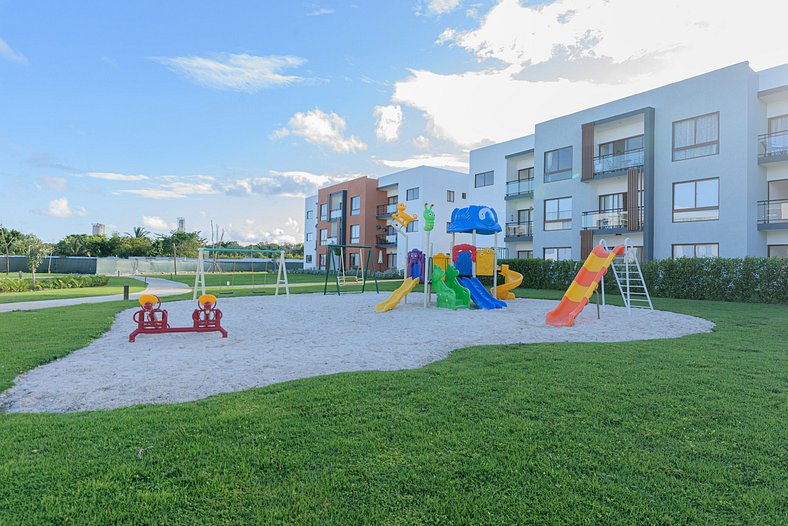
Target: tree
8	238
179	244
138	233
35	250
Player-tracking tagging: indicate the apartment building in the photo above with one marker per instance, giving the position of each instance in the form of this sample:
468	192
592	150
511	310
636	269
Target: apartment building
358	212
694	168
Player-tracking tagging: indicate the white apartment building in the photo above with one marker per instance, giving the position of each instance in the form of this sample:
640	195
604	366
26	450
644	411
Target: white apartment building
330	221
694	168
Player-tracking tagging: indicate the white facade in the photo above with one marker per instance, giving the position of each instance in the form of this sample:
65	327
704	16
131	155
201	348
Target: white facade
310	231
740	100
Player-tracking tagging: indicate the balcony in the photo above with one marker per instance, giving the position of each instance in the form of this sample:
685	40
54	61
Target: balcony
330	241
612	219
617	163
519	188
519	231
773	214
386	240
335	214
773	147
385	211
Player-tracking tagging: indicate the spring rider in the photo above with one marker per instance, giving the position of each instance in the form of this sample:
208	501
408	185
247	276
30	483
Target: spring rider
152	319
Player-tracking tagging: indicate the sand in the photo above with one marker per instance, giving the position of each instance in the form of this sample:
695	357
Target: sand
278	339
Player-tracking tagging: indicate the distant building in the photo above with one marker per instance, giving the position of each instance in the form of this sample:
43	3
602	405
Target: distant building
99	229
181	224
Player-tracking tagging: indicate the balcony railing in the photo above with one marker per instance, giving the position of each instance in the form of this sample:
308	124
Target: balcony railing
520	229
336	213
773	211
519	187
386	210
773	146
618	161
386	240
330	241
612	218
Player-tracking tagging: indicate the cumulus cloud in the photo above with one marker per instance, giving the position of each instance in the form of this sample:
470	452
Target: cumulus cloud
437	7
110	176
285	184
236	72
248	231
322	129
61	208
7	52
543	60
292	224
448	161
389	122
421	142
157	224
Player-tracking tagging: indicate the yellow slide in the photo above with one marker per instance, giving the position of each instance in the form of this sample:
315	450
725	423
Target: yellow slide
512	281
407	286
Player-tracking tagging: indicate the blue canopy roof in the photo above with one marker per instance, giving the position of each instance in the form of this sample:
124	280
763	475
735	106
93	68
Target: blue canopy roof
482	219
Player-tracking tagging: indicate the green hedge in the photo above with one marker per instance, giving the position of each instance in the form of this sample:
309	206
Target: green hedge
751	280
71	282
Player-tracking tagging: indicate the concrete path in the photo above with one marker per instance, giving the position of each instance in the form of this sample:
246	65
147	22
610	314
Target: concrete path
157	286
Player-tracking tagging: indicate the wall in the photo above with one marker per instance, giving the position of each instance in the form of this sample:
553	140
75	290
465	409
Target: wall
310	226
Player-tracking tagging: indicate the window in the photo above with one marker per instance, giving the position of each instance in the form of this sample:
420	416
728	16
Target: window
322	263
413	226
778	251
613	201
524	216
558	164
525	254
696	137
309	236
696	250
464	195
309	258
525	174
450	196
324	212
696	200
355	260
558	213
355	205
391	260
621	146
310	214
411	194
323	236
558	253
448	223
484	179
355	234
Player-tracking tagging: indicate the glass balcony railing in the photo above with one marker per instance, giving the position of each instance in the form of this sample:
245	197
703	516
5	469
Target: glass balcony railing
386	210
773	211
386	240
613	218
519	187
336	213
772	146
618	161
331	241
520	229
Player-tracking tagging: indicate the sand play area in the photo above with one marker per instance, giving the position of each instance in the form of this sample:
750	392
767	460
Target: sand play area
278	339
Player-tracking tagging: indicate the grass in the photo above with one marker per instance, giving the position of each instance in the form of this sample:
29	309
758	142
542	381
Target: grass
115	286
28	275
686	431
242	278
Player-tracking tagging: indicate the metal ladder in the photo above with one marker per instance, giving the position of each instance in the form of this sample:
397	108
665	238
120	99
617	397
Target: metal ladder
629	278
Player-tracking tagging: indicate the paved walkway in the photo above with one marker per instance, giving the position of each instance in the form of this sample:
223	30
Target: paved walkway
157	286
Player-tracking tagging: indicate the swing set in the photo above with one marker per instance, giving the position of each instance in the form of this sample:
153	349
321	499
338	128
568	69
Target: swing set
356	274
276	257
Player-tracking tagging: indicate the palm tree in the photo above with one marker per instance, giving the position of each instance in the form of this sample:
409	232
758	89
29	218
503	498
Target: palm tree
138	233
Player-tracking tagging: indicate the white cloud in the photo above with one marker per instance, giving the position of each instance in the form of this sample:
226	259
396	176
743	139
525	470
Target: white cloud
110	176
292	224
437	7
9	53
322	11
174	190
285	184
250	232
421	142
237	72
389	122
448	161
61	208
549	59
58	184
323	129
157	224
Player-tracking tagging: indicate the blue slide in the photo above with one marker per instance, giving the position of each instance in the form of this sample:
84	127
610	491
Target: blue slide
480	295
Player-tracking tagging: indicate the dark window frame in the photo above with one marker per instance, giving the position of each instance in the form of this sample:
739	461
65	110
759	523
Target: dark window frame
545	249
694	145
599	146
355	211
769	249
696	209
449	196
484	175
547	175
358	239
546	221
624	201
531	252
408	194
769	123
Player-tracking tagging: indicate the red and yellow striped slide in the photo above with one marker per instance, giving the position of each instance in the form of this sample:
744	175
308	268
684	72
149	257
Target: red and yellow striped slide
585	283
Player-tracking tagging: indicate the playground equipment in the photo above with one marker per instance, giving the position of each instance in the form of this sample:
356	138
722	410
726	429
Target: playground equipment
512	280
475	220
402	217
392	301
152	319
415	265
207	252
451	295
336	261
627	274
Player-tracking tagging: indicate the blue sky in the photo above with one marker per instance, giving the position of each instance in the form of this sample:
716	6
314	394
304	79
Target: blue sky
135	113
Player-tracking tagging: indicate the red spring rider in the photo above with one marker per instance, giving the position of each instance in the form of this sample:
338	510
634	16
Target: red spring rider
152	319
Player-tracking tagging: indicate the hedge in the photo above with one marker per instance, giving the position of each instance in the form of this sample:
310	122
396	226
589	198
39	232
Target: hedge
750	280
71	282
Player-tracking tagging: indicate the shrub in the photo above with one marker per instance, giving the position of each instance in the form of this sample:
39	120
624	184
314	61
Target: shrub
71	282
751	280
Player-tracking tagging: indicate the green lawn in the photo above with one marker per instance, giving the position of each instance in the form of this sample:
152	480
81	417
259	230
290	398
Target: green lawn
39	275
115	286
687	431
